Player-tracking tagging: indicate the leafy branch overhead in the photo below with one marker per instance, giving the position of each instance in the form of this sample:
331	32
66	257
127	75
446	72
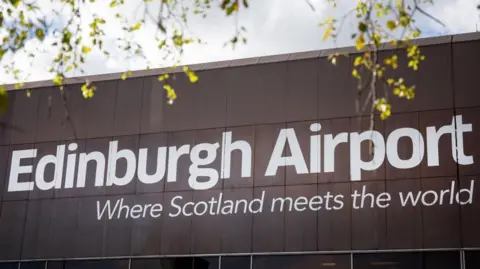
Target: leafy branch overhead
76	30
379	23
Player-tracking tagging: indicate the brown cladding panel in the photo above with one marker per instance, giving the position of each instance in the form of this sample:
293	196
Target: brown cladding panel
12	223
180	115
206	223
118	230
265	140
256	94
404	145
37	229
25	113
300	221
268	226
89	236
369	219
302	90
100	110
128	107
146	234
154	164
471	140
51	115
404	221
76	126
211	99
245	133
441	222
121	169
4	152
302	134
470	219
466	65
153	101
237	228
177	228
446	164
432	80
63	228
341	153
335	225
336	89
6	119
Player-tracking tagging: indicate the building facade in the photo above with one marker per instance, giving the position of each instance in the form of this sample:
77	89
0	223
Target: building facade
263	163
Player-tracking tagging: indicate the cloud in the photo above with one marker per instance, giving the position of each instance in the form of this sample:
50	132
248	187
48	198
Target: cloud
273	27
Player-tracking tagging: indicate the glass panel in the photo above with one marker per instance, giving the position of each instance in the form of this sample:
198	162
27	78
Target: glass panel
441	260
32	265
206	263
146	264
98	264
8	265
388	261
472	259
56	265
302	262
170	263
235	262
177	263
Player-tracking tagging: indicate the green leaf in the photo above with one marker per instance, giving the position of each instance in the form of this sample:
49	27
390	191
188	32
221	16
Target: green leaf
136	27
113	3
391	25
58	80
2	52
40	34
362	27
15	3
86	49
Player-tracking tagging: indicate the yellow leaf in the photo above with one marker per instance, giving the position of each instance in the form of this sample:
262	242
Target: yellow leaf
380	73
124	76
86	49
355	74
327	32
360	43
391	25
390	81
358	60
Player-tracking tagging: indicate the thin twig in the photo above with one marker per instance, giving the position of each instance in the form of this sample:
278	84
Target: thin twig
429	16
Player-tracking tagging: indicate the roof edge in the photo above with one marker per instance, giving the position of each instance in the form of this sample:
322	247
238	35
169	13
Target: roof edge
428	41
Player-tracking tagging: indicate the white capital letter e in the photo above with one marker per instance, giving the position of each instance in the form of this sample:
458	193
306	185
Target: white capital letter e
16	169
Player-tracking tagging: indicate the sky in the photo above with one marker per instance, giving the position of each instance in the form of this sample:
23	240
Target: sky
273	27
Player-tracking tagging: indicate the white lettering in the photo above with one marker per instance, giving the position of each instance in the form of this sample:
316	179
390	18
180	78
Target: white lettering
296	159
16	169
356	162
418	148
